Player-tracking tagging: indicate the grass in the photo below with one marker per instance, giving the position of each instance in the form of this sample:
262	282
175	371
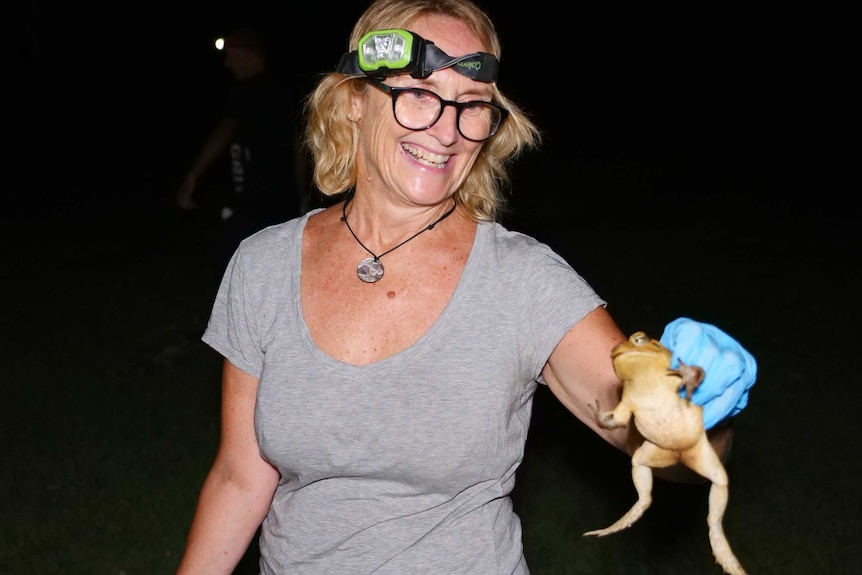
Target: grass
109	412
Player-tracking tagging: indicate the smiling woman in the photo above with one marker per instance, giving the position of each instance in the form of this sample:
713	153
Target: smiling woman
368	422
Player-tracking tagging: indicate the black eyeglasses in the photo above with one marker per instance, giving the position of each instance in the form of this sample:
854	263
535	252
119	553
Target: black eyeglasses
419	109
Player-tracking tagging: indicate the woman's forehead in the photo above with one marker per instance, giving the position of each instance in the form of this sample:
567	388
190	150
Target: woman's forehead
448	33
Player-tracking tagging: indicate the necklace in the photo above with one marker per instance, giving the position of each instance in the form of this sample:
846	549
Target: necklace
370	269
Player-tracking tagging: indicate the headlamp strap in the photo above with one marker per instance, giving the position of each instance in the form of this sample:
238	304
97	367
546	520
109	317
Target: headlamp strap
479	66
349	63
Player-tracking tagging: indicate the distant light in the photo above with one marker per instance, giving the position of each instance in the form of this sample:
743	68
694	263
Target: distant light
219	44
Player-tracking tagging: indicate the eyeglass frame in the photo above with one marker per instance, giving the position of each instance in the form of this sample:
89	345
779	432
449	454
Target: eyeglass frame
394	92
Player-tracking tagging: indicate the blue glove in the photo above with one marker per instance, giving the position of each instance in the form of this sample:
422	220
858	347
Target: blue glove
730	369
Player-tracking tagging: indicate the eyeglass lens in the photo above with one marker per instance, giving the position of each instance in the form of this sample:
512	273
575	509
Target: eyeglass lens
418	109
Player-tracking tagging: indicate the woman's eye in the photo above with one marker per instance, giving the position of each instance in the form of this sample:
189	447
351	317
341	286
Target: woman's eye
477	108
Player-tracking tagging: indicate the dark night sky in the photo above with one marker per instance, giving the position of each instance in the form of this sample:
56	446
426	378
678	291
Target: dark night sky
106	90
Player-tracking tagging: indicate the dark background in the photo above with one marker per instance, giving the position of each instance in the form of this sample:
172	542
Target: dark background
739	94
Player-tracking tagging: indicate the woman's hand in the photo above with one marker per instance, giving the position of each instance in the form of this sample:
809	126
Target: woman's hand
730	369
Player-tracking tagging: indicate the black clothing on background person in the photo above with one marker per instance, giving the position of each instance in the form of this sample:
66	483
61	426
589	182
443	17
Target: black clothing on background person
263	188
258	136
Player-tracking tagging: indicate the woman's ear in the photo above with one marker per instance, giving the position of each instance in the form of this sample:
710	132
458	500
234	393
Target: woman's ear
357	106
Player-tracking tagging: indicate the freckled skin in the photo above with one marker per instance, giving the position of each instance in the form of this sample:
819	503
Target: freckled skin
673	433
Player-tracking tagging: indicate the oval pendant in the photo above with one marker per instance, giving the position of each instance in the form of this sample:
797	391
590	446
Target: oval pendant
369	270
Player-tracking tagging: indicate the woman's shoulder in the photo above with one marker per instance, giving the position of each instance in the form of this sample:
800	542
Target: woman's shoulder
272	247
276	236
512	242
518	255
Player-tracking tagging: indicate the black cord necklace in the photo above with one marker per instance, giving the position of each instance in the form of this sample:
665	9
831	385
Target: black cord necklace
370	269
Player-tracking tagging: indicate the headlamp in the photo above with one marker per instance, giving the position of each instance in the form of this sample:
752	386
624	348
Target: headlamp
384	53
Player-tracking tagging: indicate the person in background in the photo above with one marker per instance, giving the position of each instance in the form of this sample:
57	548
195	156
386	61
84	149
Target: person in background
381	354
259	135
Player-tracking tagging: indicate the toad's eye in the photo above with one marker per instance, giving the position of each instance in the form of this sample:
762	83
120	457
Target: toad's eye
640	339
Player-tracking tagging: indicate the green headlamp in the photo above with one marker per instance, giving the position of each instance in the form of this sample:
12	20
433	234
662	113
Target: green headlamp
384	53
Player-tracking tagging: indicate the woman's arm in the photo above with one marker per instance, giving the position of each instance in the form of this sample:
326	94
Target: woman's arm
579	372
238	489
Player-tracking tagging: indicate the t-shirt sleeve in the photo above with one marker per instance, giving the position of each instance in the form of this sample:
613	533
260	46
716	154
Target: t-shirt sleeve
232	329
557	299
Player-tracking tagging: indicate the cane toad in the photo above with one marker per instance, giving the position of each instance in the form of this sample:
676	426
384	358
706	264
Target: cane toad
673	433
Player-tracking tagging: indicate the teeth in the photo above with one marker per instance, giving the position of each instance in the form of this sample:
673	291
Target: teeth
432	160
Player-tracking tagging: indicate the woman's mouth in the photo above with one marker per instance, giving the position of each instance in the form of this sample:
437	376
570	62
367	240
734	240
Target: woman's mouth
426	158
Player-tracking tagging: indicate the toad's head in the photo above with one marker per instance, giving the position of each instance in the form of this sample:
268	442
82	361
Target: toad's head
639	354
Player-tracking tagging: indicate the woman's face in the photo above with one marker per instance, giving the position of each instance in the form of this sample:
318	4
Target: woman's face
420	167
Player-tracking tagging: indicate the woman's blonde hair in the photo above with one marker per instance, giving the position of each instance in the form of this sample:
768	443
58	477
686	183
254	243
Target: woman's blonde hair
332	139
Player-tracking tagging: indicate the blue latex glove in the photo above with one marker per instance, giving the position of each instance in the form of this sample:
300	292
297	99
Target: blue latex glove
730	369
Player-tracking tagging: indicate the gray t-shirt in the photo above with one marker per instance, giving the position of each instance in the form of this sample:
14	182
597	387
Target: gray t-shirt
403	466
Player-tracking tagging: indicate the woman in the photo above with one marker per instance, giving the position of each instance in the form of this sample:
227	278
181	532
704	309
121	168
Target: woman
381	355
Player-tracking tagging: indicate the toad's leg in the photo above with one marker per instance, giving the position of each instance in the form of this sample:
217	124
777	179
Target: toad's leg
703	459
692	376
645	457
619	417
